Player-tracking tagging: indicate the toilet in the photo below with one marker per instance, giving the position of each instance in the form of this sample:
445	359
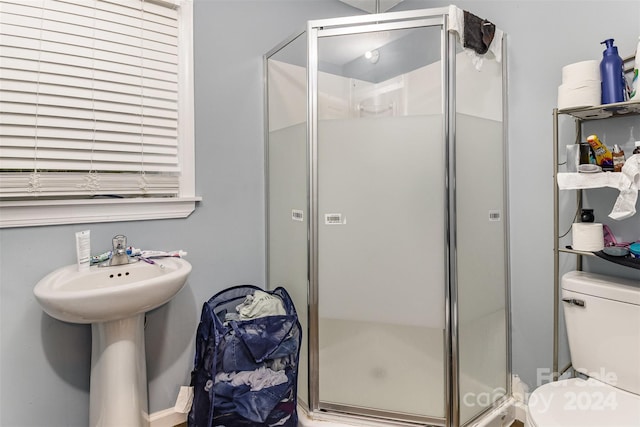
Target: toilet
602	316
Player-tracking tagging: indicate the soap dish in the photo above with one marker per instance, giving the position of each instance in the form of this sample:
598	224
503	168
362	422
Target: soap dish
589	168
616	251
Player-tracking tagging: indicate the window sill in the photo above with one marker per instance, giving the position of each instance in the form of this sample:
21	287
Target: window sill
55	212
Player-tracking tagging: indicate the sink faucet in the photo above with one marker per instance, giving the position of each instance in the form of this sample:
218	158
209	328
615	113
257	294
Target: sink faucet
119	253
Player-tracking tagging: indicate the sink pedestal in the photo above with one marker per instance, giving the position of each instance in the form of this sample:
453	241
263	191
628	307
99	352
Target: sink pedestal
118	391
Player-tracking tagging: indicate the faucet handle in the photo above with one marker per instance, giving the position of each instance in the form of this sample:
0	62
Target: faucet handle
119	243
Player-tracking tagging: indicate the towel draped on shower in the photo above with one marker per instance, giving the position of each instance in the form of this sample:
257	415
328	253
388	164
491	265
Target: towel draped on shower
479	37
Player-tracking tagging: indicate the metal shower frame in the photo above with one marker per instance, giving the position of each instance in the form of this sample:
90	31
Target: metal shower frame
314	30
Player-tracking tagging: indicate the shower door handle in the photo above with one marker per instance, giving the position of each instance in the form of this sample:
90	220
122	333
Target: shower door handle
576	302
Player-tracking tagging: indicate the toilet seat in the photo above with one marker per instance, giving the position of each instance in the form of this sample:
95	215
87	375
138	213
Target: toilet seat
582	403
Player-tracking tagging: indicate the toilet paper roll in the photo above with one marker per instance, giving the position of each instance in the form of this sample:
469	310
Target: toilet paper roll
581	71
582	94
587	236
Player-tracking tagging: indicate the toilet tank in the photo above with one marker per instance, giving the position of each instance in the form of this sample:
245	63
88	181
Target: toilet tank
602	315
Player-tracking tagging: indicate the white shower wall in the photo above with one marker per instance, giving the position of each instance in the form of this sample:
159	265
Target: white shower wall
387	182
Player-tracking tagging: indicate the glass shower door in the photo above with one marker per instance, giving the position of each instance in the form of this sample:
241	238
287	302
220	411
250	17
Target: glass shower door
381	223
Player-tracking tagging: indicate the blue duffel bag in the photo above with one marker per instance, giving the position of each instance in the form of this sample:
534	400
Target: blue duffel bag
245	370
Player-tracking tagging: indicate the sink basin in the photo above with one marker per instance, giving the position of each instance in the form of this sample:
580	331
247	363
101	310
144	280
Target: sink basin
114	300
103	294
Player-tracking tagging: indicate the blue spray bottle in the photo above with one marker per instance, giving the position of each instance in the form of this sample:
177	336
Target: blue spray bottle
612	74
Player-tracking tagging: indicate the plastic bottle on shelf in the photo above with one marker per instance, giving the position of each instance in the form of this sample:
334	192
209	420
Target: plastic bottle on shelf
618	158
604	158
612	74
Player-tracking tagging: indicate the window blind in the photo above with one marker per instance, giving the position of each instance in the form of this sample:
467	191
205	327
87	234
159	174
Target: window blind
88	99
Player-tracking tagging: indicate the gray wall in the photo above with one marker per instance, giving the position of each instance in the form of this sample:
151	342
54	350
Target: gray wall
44	363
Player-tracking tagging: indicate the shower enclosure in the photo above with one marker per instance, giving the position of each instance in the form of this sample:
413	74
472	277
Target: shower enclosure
386	216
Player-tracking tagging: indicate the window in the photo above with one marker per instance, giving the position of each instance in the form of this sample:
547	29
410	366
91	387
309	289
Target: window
96	111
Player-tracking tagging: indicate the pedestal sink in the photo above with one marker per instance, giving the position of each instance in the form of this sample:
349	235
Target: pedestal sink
113	300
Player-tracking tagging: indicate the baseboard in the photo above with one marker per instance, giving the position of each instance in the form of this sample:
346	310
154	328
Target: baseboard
167	418
521	412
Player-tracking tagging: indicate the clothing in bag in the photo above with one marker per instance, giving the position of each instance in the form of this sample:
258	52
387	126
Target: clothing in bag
246	362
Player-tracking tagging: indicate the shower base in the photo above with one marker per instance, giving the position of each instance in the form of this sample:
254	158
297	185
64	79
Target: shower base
508	414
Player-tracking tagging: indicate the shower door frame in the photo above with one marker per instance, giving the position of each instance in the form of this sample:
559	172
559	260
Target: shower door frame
315	30
358	25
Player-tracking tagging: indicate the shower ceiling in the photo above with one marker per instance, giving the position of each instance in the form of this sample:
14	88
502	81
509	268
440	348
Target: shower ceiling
396	52
340	51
